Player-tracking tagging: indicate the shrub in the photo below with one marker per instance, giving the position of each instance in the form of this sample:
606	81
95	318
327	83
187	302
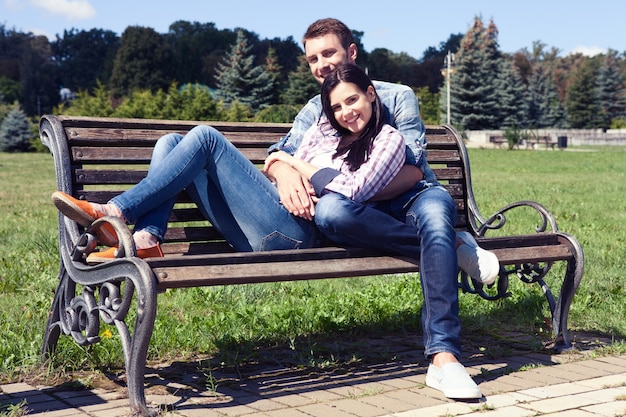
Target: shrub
16	132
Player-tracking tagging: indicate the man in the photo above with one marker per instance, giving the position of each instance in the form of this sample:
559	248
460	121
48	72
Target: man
225	184
329	43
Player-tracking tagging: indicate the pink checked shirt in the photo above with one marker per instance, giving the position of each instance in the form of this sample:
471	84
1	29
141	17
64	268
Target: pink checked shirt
386	157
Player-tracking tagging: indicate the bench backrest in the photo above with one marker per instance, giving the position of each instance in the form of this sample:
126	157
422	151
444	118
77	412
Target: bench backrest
104	156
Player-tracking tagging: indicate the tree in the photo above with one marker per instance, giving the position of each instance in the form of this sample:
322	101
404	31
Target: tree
143	62
474	99
301	86
85	104
544	107
581	103
16	132
610	91
197	48
429	105
273	68
37	74
10	90
512	93
238	80
85	57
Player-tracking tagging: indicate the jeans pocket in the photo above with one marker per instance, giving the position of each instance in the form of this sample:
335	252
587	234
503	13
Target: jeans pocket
279	241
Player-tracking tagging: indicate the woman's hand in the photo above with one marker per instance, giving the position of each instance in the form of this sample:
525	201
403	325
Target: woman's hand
294	189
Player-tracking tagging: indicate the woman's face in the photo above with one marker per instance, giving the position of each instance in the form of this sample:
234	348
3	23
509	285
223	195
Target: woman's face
352	107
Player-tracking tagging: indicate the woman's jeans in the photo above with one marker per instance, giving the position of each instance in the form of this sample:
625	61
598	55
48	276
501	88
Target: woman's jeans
244	206
233	194
419	224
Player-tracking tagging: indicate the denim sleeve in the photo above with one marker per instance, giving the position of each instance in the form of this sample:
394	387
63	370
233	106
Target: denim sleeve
308	116
407	120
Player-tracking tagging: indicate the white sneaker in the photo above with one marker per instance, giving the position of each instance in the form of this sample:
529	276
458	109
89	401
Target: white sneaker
480	264
453	381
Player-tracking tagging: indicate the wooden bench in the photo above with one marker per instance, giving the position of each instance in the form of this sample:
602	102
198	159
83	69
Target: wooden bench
546	141
498	141
96	158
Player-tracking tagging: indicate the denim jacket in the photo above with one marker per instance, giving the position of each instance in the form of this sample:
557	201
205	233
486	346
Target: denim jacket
402	111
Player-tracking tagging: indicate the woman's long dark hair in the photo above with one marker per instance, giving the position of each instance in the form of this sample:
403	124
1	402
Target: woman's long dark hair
358	151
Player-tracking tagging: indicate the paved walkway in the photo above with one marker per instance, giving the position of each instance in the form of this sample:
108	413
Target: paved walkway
530	385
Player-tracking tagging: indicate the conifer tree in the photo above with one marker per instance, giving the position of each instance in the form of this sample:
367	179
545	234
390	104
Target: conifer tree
16	132
273	68
473	96
238	80
512	92
581	104
302	86
610	91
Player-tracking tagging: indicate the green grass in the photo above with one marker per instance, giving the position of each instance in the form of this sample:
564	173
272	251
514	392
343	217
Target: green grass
318	323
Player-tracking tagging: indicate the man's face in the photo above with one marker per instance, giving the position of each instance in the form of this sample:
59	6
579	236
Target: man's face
325	53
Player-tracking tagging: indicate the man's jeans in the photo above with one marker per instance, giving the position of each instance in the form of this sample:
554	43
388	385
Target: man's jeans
233	194
418	224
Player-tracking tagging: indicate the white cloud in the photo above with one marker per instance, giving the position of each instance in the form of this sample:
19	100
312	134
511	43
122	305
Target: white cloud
588	50
71	9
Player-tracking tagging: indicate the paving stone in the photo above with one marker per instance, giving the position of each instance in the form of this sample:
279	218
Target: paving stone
592	387
358	408
390	404
558	404
324	410
452	408
605	381
611	409
607	394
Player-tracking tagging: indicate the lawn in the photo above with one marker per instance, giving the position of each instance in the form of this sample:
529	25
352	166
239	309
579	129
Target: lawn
321	322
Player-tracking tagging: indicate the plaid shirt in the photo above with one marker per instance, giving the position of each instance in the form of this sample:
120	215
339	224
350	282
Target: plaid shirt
402	110
386	157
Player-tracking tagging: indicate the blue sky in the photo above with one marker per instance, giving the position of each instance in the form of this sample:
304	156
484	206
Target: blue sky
408	26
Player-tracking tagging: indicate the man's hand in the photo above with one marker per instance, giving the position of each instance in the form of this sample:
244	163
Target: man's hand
295	191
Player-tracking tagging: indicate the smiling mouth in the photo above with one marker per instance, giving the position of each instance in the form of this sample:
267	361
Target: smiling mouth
352	120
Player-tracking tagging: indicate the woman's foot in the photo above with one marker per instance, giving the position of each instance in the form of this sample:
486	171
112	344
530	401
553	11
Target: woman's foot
85	213
109	254
147	246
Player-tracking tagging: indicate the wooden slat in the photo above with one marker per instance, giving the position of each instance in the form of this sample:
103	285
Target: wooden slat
191	276
331	262
148	137
137	155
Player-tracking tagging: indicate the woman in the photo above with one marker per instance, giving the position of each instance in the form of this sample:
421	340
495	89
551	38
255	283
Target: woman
351	150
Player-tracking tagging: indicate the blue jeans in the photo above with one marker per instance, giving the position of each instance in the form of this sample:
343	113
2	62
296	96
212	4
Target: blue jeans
418	224
233	194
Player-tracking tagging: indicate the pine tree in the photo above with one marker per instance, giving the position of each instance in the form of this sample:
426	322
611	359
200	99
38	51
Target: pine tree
473	95
16	132
581	104
273	68
238	80
554	115
302	86
512	92
610	91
